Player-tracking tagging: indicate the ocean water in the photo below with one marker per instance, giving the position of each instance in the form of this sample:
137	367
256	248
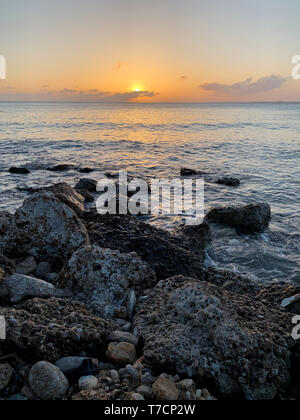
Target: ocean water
257	143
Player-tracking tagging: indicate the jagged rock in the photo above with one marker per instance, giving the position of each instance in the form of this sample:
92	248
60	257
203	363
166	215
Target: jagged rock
42	270
27	266
47	382
165	390
87	184
230	182
54	328
105	279
18	287
251	218
67	195
121	353
200	330
88	197
48	229
167	254
6	374
19	171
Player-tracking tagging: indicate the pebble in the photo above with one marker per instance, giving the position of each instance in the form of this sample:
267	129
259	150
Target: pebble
147	379
132	372
114	374
87	383
47	381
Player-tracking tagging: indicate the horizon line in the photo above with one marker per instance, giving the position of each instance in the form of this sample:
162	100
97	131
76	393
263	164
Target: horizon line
151	103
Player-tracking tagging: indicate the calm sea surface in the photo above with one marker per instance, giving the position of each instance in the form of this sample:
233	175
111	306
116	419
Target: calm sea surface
258	143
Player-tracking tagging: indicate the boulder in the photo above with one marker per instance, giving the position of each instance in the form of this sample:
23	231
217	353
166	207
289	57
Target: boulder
52	329
47	382
48	229
229	182
197	329
87	184
27	266
86	170
18	287
67	195
19	171
248	219
103	279
167	254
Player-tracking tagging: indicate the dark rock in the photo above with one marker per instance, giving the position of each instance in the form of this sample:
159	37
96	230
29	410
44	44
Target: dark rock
239	344
54	328
199	235
248	219
190	172
86	170
19	171
166	254
88	197
230	182
61	168
87	184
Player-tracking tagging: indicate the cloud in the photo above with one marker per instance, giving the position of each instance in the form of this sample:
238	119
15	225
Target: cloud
183	77
265	84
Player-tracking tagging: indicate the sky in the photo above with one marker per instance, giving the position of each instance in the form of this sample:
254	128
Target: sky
149	51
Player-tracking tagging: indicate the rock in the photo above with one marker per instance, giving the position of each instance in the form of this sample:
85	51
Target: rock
199	235
235	341
48	229
123	325
51	277
105	279
146	391
187	389
230	182
52	329
125	337
114	374
249	219
165	390
47	382
165	253
88	197
27	266
69	364
292	304
60	168
121	353
6	374
137	397
86	170
87	184
147	379
188	172
87	382
19	287
67	195
7	232
19	171
6	268
42	270
132	372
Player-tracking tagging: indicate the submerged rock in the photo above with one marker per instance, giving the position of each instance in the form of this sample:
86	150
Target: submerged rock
47	229
230	182
200	330
54	328
103	279
251	218
60	168
47	382
19	171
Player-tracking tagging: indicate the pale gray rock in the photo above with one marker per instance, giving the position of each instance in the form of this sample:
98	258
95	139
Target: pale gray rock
292	304
87	383
47	382
103	278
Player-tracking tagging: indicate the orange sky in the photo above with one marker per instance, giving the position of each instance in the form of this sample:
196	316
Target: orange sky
158	51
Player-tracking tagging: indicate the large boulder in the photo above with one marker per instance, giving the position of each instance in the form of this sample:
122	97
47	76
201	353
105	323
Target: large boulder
200	330
47	382
251	218
104	278
168	255
68	196
51	329
48	229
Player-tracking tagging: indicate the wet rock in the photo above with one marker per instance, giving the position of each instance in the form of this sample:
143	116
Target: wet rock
6	374
201	330
87	383
165	390
121	353
292	304
18	287
88	197
47	382
105	279
19	171
166	254
199	235
120	336
230	182
52	329
60	168
251	218
191	172
42	270
86	170
27	266
87	184
48	229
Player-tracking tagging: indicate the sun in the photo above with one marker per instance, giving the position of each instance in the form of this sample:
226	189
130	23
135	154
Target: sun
137	88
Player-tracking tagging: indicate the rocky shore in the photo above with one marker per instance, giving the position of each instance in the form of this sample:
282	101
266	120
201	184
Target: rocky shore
111	308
